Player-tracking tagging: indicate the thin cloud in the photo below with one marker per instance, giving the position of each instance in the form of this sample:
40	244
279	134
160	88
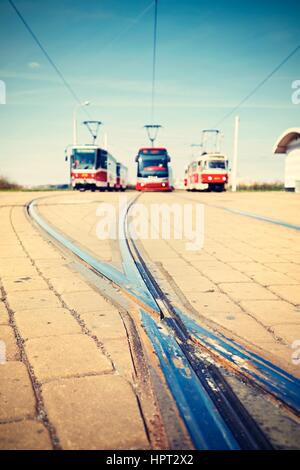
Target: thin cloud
34	65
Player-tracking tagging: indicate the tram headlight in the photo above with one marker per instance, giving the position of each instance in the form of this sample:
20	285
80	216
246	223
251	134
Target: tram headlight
209	178
163	184
224	178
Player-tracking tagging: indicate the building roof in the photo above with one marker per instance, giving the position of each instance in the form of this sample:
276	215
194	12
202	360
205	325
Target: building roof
285	139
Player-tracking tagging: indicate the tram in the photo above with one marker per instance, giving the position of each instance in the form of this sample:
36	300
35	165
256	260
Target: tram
93	168
153	170
209	172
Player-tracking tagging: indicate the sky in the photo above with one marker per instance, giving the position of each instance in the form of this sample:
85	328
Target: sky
210	55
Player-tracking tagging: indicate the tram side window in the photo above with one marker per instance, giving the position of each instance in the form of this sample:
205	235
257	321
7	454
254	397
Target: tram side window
102	159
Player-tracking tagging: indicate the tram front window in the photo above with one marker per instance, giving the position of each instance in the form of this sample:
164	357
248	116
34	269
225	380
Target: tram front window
217	165
83	160
152	167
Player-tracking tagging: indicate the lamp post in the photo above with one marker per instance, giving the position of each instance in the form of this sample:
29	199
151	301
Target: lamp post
85	103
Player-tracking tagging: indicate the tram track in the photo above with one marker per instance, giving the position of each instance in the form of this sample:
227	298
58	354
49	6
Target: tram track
248	214
213	414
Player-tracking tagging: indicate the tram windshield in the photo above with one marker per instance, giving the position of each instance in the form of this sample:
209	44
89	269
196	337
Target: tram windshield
216	164
153	166
83	159
153	162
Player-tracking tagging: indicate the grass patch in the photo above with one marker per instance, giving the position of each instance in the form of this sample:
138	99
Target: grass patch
276	186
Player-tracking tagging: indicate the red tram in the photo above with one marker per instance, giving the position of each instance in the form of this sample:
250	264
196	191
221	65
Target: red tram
208	172
153	170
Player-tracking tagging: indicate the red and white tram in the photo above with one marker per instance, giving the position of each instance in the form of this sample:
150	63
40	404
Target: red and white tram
93	168
153	170
208	172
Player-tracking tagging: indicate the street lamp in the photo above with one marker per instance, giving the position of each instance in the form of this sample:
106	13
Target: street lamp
85	103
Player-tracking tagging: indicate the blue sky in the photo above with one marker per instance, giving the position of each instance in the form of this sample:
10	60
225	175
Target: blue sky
210	55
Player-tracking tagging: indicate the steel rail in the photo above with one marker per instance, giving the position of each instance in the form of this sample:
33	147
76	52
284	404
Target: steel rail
243	213
239	421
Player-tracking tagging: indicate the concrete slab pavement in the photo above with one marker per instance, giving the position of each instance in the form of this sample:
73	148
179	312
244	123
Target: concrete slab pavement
68	361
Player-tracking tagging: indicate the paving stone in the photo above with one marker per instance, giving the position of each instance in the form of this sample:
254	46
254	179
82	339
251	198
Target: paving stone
95	413
15	270
289	293
34	299
273	278
226	275
24	435
15	251
119	351
45	322
285	268
271	312
194	284
41	249
65	356
84	301
72	283
247	291
16	394
251	268
104	323
24	284
212	301
295	276
55	271
4	317
242	325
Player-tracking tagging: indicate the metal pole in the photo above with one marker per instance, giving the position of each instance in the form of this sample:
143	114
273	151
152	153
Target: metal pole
235	154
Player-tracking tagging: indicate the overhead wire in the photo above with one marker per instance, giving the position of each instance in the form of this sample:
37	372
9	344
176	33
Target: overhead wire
257	87
47	55
135	21
154	61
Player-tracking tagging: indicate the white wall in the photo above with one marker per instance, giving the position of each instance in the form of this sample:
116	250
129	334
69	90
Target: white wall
292	164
